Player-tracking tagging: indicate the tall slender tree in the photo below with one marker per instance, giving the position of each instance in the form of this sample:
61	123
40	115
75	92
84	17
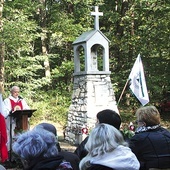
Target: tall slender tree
43	18
2	52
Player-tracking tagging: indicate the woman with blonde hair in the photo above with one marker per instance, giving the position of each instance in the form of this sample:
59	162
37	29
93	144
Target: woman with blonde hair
107	150
151	142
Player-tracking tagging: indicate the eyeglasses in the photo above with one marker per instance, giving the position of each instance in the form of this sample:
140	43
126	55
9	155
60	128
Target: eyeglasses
138	121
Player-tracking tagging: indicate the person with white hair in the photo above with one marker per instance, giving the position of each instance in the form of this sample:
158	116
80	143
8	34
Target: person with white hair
2	167
68	156
104	116
38	151
107	150
12	103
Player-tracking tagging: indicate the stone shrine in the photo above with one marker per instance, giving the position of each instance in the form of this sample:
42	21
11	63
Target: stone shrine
92	88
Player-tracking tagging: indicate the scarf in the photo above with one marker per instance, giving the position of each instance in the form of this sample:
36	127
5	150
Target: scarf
146	128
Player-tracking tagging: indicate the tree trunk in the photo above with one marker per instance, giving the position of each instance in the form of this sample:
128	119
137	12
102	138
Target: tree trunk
2	51
119	27
44	37
46	61
132	33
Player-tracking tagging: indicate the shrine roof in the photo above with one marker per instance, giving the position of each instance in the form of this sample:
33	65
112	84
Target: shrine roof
87	35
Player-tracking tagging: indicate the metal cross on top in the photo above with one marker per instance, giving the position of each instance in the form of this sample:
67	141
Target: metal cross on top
96	14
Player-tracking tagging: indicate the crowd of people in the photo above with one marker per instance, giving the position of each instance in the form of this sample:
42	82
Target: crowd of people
106	148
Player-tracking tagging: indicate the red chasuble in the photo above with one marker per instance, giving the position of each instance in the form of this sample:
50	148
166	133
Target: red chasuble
16	105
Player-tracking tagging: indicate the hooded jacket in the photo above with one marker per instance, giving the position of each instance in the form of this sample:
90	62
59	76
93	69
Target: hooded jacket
121	158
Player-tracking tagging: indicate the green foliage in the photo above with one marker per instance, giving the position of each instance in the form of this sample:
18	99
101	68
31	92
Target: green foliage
133	27
51	106
127	133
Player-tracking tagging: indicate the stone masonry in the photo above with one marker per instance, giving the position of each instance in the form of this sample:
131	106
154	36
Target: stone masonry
91	94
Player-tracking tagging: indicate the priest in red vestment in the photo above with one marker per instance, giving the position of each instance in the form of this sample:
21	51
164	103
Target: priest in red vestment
12	103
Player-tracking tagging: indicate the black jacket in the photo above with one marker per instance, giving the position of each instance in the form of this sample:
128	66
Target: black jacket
46	163
99	167
80	150
152	148
72	158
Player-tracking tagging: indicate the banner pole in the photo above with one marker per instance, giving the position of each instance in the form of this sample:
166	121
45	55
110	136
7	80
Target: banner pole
123	91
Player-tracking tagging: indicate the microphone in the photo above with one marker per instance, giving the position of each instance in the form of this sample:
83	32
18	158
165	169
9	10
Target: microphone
20	98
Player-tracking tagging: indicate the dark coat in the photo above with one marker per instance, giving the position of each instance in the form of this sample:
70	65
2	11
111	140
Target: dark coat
99	167
80	150
72	158
46	163
152	148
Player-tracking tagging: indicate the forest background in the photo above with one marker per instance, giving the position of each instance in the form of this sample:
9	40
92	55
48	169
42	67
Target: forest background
36	51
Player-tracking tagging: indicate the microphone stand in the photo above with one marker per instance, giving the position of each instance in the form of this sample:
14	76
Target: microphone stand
10	134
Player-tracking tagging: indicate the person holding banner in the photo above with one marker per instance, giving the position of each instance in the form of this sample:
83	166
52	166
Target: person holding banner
12	103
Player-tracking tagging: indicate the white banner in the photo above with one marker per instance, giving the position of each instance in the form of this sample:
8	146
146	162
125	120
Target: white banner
138	83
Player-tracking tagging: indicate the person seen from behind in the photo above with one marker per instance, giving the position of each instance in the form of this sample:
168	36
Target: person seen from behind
68	156
107	150
105	116
151	142
38	151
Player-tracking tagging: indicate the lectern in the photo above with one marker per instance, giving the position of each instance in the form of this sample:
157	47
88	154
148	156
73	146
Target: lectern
22	118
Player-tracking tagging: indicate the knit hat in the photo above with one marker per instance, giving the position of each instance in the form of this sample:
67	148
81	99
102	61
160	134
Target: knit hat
49	127
109	117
